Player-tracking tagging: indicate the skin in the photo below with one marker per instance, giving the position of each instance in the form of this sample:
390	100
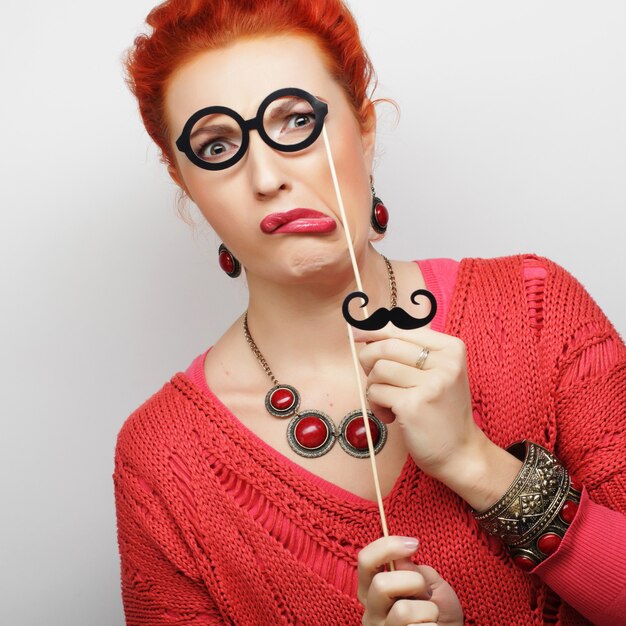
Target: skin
297	283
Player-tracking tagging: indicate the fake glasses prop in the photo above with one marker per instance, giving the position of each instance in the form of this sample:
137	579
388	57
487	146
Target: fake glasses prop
217	137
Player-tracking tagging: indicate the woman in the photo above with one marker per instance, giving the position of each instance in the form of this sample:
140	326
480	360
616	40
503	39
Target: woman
234	506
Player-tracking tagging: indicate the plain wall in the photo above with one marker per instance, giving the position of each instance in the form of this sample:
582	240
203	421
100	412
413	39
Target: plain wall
512	139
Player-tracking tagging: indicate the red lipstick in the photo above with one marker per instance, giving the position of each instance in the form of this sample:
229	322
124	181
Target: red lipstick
298	221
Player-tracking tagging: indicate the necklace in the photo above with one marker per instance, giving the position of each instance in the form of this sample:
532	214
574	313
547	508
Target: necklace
311	433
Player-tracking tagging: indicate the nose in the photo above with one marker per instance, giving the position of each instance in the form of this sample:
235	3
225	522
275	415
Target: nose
266	170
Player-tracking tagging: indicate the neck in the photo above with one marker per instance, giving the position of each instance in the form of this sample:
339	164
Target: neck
304	318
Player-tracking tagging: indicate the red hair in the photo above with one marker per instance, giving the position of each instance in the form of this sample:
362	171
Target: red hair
181	29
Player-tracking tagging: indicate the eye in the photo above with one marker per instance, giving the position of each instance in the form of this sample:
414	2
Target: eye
216	149
300	120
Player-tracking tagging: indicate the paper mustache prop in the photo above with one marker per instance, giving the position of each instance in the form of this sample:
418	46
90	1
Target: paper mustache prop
397	315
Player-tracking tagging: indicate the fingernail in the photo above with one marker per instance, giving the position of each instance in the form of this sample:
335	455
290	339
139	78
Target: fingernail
410	543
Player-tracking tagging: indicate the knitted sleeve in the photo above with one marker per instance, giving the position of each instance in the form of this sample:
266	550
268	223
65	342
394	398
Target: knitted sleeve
160	583
589	380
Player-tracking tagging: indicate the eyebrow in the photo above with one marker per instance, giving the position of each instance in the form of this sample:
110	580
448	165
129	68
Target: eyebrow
287	106
214	128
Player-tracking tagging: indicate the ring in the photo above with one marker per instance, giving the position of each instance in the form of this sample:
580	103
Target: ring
421	359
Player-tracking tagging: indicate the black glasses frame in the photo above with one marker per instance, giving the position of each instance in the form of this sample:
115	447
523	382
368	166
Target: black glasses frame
183	143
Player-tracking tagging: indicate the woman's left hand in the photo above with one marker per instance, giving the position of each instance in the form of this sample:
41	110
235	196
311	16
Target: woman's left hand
432	404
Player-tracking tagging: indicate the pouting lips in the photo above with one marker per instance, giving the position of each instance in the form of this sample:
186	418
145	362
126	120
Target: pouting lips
274	221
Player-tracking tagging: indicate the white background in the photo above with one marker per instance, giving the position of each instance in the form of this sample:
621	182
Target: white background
512	139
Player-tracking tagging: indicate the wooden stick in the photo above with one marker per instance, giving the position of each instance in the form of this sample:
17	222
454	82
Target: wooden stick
357	367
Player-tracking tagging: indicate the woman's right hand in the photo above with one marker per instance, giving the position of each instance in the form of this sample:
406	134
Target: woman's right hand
413	594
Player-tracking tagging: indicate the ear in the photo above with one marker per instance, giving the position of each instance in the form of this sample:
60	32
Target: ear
178	179
368	134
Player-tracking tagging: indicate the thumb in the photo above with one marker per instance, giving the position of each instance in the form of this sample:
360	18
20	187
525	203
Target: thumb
450	610
431	576
405	564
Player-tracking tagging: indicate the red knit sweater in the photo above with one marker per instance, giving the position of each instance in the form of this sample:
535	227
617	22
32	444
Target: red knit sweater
216	527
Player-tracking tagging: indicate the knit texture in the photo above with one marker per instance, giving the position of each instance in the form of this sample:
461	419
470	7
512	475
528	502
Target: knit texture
215	528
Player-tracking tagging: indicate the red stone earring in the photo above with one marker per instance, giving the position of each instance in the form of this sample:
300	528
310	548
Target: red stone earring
228	262
380	216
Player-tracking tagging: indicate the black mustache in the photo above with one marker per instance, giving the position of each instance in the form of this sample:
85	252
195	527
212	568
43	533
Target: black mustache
397	316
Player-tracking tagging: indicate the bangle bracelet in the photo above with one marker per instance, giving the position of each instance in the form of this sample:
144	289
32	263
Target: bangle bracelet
537	509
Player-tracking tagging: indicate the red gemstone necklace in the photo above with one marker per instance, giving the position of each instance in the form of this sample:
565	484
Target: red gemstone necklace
311	433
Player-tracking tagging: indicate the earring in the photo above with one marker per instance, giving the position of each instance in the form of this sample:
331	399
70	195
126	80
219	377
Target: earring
380	216
228	261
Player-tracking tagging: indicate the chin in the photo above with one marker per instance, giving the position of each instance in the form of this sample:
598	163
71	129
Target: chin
320	263
311	264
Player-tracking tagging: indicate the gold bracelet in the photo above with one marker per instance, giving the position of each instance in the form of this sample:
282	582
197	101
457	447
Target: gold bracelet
537	509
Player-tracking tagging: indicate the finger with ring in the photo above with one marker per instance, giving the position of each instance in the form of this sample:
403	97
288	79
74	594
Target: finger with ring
421	359
395	350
